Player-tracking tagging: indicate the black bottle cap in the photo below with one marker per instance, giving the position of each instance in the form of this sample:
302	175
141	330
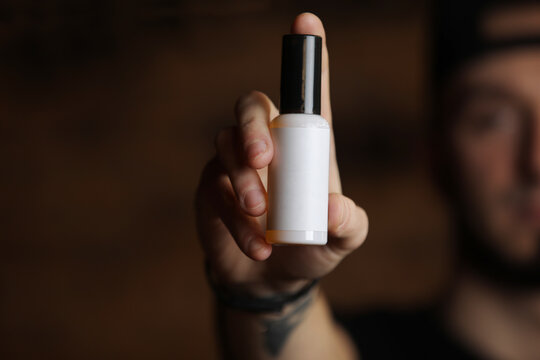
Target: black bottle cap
301	74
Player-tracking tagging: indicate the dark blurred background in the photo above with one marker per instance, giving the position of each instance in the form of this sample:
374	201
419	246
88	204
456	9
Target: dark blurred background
107	115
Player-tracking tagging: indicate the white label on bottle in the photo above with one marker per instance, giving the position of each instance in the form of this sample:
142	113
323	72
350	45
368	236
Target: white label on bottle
298	179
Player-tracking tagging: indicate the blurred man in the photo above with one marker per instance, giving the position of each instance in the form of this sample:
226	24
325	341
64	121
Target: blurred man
486	146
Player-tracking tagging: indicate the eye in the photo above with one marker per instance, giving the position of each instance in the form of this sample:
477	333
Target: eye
495	119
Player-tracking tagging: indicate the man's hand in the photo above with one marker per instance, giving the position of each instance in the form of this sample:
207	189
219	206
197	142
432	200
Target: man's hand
231	202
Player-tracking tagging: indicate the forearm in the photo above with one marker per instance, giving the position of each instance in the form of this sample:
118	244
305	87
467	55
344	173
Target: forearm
303	330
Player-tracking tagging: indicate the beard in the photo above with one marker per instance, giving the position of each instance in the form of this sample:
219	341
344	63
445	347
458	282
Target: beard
477	253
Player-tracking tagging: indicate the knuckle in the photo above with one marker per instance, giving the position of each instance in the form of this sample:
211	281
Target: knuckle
364	223
348	210
253	131
223	195
352	229
348	218
243	239
246	122
351	205
247	99
222	184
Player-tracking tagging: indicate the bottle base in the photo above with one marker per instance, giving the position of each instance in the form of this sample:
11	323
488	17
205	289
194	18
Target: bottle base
296	237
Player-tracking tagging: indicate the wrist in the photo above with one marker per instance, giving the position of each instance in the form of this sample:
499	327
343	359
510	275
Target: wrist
261	300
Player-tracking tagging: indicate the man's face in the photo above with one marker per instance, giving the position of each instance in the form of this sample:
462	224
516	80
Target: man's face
496	143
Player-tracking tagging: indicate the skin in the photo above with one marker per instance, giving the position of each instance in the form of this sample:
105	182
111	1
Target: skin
231	204
496	144
495	138
495	141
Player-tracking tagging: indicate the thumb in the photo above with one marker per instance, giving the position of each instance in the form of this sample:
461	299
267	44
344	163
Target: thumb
308	23
347	224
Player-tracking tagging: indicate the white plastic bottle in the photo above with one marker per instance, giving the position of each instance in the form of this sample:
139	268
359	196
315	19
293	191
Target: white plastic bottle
298	173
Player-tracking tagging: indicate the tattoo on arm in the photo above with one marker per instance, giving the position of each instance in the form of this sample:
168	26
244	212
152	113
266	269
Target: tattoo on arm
277	331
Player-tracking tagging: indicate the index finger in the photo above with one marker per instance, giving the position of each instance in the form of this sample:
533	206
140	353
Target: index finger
253	114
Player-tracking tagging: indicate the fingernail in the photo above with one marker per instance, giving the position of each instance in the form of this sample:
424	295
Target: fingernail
255	149
254	199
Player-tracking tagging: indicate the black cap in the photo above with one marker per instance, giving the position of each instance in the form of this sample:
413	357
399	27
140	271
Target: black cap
301	74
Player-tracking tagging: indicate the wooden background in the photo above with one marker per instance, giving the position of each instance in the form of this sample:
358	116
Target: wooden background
107	114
